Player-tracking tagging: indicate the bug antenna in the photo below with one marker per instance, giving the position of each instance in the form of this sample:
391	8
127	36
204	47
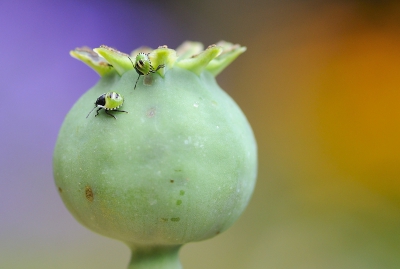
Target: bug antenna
136	82
134	67
131	61
90	112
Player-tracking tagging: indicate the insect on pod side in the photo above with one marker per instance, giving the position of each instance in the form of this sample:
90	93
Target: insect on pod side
108	101
143	65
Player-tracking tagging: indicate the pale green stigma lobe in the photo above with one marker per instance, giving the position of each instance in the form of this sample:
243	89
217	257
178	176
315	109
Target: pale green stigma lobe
190	56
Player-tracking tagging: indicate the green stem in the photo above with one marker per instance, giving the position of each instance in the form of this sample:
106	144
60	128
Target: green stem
155	257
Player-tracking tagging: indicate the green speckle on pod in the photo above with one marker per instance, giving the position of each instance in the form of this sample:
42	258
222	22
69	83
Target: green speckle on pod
179	167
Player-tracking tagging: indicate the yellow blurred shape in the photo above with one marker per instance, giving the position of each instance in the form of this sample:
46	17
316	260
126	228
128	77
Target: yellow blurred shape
359	109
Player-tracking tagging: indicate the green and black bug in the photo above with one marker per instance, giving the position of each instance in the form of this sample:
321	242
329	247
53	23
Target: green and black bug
108	101
143	65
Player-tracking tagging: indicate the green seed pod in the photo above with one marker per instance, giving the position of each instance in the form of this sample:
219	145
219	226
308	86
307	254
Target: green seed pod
180	167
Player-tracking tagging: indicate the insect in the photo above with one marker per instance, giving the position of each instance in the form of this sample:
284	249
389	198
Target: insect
143	65
108	101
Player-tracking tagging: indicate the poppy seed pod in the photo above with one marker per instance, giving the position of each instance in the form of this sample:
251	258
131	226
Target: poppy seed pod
179	166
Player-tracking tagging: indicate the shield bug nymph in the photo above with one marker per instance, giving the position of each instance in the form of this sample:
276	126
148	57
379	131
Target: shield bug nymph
108	101
143	65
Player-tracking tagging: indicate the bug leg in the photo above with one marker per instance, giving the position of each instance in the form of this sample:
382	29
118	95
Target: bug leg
120	111
97	111
160	66
108	113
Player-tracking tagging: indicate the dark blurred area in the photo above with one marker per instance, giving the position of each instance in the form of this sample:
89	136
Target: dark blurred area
319	84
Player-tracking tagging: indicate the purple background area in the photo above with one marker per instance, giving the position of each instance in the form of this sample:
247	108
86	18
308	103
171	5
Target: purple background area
39	82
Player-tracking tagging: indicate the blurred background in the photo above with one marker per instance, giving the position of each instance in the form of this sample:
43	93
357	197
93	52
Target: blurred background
319	84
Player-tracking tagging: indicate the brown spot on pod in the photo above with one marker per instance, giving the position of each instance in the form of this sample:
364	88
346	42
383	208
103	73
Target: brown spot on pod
89	193
151	112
